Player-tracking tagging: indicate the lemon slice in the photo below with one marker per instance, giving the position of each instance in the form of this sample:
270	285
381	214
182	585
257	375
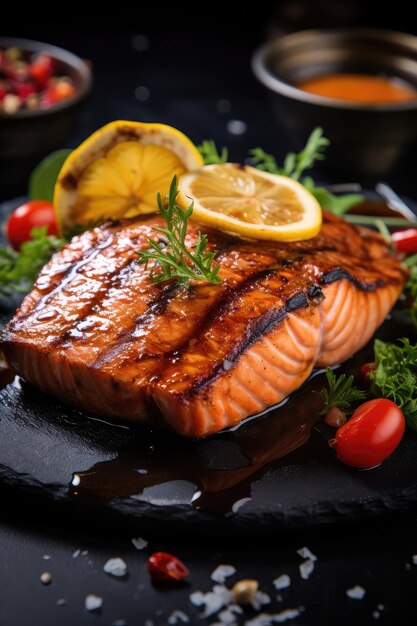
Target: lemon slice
118	171
244	200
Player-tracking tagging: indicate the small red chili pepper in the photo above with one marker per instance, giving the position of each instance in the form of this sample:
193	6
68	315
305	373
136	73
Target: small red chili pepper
405	240
165	566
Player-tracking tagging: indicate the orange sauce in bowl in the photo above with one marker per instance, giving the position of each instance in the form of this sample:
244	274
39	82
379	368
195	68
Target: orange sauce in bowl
360	88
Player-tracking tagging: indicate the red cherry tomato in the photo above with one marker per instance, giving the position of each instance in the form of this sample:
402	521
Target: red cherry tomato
405	240
165	566
34	213
371	435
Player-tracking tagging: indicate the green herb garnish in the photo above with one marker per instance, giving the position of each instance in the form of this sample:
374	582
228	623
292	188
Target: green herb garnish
211	154
395	376
296	163
341	392
411	287
170	255
18	270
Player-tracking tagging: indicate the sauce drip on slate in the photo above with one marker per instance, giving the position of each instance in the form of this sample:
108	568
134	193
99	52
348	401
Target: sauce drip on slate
360	88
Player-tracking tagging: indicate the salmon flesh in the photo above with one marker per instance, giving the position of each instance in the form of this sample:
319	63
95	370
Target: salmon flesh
99	334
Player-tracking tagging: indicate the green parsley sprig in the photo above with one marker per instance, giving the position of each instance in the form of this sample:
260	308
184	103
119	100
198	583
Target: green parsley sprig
171	258
341	392
395	376
18	270
295	164
211	154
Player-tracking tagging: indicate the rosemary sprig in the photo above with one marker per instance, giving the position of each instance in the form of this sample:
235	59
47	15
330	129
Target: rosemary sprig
211	154
341	392
171	258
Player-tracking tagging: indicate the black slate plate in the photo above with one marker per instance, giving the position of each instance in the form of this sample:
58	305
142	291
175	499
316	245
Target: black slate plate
268	473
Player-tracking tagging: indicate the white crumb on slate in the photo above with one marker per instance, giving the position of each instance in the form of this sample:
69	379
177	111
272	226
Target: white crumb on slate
260	599
306	553
119	622
356	593
414	559
267	619
84	553
148	622
46	557
212	601
222	572
306	569
178	617
93	602
282	582
380	607
376	614
115	567
139	542
46	578
76	553
61	602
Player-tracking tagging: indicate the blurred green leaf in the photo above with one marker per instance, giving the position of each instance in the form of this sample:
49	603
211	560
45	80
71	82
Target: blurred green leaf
43	178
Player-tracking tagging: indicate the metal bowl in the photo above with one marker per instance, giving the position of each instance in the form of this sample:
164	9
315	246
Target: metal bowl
367	140
27	136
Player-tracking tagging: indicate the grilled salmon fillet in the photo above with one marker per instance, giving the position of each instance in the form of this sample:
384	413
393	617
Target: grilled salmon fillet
96	332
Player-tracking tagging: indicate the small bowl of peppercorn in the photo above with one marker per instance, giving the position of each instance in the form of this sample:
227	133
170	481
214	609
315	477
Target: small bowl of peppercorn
42	89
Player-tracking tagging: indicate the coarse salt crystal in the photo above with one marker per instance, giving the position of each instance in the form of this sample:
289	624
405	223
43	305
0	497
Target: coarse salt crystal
305	553
119	622
282	582
115	567
139	542
260	599
61	602
84	552
76	553
267	619
177	617
213	600
376	614
306	569
414	559
93	602
356	593
46	557
222	572
228	616
380	607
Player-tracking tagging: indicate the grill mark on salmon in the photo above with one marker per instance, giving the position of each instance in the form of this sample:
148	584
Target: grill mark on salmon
203	359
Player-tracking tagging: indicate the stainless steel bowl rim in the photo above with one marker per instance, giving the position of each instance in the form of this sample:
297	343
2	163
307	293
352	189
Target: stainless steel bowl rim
29	45
270	80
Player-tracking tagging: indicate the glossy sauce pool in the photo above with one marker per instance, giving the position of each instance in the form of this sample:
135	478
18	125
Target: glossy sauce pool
360	88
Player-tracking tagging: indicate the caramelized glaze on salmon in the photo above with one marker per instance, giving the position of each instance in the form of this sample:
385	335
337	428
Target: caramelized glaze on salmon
96	332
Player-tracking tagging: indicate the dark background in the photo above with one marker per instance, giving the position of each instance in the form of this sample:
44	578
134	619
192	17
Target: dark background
196	56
